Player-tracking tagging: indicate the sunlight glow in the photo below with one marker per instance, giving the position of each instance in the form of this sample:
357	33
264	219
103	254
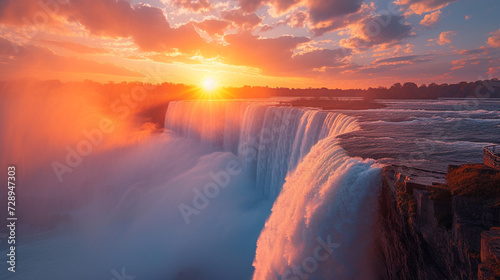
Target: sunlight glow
209	84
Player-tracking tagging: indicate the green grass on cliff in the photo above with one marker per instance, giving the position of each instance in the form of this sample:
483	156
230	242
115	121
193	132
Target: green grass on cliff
475	181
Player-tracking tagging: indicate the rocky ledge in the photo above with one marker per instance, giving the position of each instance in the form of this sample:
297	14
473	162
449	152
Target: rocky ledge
439	226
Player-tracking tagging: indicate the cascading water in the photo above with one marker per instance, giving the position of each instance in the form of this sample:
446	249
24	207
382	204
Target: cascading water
119	209
321	221
269	140
320	225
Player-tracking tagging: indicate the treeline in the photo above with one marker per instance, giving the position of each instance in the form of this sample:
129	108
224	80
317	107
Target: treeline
408	90
171	91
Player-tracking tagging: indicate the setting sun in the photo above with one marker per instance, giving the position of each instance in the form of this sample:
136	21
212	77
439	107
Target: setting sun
209	84
278	139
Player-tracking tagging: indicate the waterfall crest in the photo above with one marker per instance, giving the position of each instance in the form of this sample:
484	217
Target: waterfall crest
269	140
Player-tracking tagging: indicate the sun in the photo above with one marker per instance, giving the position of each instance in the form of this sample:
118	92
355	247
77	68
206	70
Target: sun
209	84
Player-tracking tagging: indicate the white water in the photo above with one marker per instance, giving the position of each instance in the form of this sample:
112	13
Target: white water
269	140
327	194
330	197
121	206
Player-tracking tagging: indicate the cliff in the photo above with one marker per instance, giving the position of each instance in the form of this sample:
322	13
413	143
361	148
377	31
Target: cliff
427	229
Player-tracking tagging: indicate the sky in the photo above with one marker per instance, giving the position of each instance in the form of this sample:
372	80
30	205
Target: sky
277	43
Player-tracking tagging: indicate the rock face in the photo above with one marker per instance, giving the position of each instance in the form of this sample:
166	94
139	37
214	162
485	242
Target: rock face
490	255
421	236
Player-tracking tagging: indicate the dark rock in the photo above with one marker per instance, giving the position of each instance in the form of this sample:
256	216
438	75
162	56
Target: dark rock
417	247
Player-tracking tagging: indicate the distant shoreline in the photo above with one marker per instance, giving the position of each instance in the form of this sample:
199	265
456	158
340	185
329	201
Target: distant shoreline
333	104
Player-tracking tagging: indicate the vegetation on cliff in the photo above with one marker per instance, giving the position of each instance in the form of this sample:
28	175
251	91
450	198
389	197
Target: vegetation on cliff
475	181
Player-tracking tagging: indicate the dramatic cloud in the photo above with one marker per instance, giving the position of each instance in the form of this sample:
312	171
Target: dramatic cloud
324	10
431	19
474	51
213	26
340	22
30	12
494	40
403	59
297	20
324	15
264	53
242	19
75	47
189	35
250	6
424	6
320	58
195	6
445	37
276	55
111	18
266	27
378	30
146	25
25	61
281	6
474	65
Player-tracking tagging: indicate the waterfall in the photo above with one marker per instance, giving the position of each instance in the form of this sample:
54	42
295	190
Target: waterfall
320	225
299	208
269	140
325	201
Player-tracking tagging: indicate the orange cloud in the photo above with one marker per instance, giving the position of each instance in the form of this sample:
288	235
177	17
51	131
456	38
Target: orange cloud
378	31
276	55
32	61
28	12
242	19
75	47
479	51
323	15
270	54
195	6
424	6
111	18
335	23
431	19
266	27
279	6
213	26
146	25
325	10
494	40
474	65
297	19
445	37
409	59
